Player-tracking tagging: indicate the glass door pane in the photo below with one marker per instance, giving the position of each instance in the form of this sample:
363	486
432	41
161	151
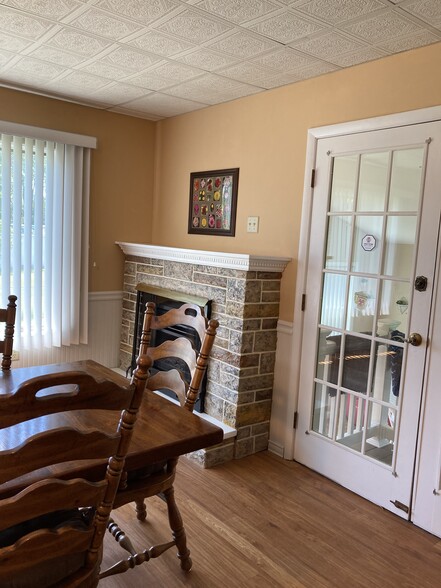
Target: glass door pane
366	292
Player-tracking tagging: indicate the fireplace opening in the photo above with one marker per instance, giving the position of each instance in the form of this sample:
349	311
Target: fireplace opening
166	300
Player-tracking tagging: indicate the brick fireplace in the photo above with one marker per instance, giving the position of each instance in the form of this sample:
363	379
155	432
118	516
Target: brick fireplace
245	294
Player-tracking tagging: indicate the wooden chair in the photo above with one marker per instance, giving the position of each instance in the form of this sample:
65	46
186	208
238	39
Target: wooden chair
184	381
52	526
7	315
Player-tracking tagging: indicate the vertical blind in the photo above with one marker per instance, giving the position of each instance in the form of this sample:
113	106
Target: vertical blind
44	192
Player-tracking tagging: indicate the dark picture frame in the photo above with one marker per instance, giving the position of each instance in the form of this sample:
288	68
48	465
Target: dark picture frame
213	202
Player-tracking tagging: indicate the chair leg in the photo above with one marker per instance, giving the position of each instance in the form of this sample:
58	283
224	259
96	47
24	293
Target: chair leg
141	510
177	528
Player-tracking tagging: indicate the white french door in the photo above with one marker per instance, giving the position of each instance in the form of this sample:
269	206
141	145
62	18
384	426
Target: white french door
370	281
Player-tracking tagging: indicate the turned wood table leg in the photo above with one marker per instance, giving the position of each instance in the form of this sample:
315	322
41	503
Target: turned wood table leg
177	528
141	510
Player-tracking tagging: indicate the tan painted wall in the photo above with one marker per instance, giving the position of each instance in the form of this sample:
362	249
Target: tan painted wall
121	174
265	136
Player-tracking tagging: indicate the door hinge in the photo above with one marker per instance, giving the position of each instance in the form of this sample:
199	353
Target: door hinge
313	178
303	302
400	505
295	419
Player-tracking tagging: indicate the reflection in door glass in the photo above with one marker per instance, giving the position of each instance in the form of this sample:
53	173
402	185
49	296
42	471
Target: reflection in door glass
380	432
367	240
350	421
394	309
405	190
373	182
357	353
399	249
386	378
325	404
344	177
326	356
361	304
338	245
333	300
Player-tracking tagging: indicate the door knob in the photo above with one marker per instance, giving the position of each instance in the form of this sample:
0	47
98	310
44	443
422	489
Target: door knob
414	339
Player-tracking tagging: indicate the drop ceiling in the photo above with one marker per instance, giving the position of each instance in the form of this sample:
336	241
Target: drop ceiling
159	58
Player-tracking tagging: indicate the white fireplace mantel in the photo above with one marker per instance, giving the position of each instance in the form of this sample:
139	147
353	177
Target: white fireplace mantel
238	261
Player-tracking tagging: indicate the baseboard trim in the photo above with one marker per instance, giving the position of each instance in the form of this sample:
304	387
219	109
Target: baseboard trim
276	449
285	327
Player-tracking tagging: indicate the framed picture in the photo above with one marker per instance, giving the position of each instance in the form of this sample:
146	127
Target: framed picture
213	202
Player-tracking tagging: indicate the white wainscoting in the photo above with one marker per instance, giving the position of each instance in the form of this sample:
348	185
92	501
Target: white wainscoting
105	310
281	390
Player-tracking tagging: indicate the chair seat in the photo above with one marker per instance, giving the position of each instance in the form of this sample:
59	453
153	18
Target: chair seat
78	518
147	471
51	572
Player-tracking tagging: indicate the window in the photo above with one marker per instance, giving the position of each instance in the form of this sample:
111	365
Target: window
44	212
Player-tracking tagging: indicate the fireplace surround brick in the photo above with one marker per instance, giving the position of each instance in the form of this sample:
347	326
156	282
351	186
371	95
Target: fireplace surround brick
241	368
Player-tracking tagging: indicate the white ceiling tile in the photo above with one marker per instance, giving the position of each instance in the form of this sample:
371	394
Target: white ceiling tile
46	8
163	105
148	80
5	57
204	88
208	83
133	112
185	93
250	73
130	58
17	23
338	11
207	59
427	10
78	43
42	69
111	53
75	94
281	80
379	29
212	89
239	92
410	42
57	56
328	45
21	80
118	93
243	45
11	43
284	60
143	11
80	79
238	11
194	26
316	70
101	23
106	70
176	72
366	54
160	44
286	27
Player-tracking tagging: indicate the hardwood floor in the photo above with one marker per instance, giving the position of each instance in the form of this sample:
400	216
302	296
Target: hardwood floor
264	522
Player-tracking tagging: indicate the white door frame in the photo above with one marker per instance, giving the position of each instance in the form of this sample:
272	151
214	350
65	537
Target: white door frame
361	126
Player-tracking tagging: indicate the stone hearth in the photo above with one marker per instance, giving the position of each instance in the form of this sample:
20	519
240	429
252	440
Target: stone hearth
245	290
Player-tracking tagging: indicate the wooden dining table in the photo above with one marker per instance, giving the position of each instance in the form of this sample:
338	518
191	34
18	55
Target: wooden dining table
163	430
